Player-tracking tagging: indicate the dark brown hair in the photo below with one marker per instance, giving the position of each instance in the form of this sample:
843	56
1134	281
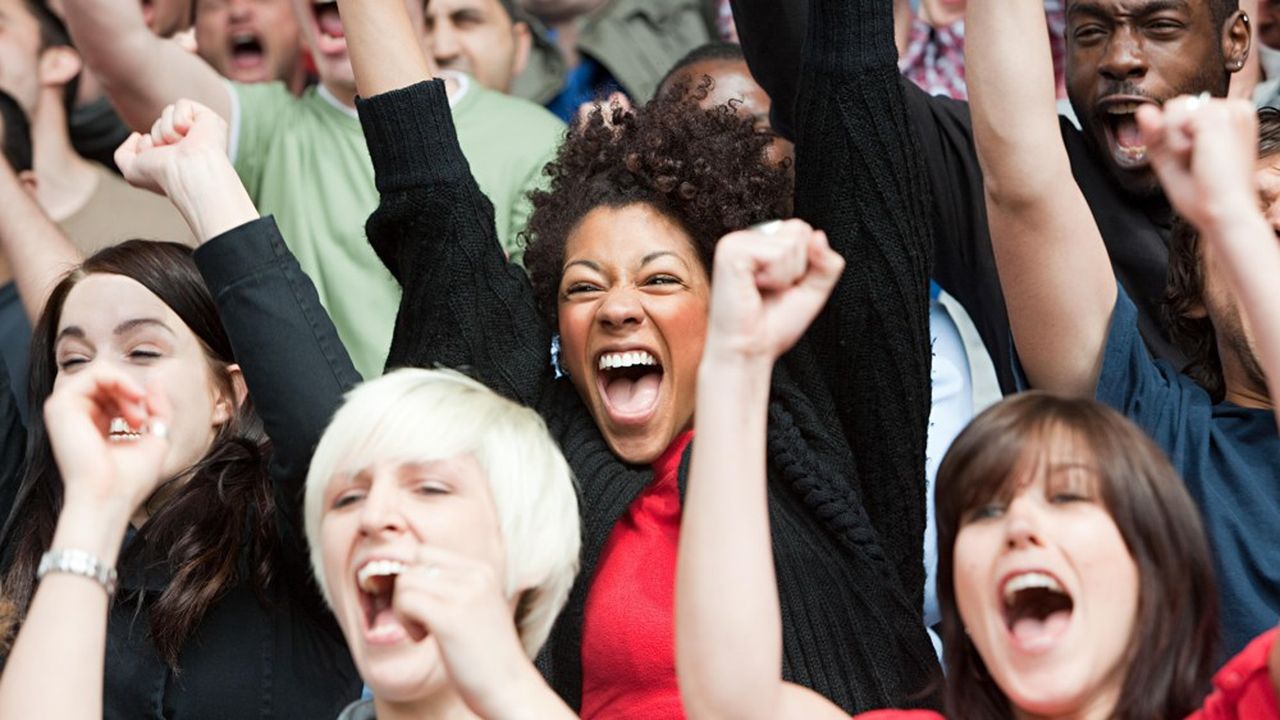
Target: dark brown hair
1171	652
704	169
200	533
1189	328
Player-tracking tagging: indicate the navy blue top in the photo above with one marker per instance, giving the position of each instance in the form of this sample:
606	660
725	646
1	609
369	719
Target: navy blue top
1229	457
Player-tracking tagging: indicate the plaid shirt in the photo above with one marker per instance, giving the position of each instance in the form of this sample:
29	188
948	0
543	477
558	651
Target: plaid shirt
934	58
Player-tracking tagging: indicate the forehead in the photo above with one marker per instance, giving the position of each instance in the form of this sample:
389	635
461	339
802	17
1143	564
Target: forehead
1127	8
451	6
102	301
627	236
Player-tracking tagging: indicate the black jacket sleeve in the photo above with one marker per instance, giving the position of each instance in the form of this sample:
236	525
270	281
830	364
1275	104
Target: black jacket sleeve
293	362
861	178
464	306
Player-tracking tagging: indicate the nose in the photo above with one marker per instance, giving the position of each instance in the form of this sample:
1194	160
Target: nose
1124	58
381	511
621	308
1021	526
444	42
240	10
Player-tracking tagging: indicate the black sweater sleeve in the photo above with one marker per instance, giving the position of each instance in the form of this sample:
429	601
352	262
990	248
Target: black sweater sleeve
860	177
294	365
464	306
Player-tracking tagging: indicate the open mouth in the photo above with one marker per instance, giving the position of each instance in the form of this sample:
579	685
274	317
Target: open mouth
330	38
1121	123
376	584
1037	610
121	431
630	383
246	51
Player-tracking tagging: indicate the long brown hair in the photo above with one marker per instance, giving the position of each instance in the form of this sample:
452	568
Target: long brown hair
1171	653
200	534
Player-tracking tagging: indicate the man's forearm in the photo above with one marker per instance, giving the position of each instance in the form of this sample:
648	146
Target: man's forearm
140	72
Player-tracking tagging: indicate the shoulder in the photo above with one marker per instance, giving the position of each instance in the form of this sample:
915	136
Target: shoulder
515	117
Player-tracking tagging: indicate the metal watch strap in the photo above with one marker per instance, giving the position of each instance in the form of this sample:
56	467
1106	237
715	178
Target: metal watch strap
78	562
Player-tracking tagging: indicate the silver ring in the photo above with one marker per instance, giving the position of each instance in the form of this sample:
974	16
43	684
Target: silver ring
1196	101
159	429
770	227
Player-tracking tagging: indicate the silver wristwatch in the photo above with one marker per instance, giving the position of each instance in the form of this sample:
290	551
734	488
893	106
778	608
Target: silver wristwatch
78	562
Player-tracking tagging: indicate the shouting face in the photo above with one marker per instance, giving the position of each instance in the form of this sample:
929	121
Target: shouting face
633	316
1124	53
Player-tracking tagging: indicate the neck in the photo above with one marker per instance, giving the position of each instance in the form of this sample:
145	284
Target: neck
1246	386
442	705
344	93
64	180
566	31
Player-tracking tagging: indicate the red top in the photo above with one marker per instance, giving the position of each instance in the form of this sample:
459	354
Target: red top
1242	690
628	630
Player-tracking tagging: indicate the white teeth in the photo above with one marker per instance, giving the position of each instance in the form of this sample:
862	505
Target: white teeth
611	361
1028	581
377	568
119	431
1127	108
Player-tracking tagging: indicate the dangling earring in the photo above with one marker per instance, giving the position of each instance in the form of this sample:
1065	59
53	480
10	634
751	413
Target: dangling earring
555	358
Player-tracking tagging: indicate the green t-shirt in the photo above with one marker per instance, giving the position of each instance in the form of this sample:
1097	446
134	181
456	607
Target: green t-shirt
304	160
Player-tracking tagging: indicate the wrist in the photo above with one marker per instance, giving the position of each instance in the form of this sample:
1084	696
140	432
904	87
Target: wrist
96	527
208	192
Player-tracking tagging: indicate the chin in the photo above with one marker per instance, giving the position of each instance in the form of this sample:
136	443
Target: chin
407	677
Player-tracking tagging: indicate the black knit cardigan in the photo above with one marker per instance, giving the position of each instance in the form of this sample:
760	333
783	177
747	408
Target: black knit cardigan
849	408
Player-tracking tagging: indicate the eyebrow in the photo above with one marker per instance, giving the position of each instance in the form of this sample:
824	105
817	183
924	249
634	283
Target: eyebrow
76	331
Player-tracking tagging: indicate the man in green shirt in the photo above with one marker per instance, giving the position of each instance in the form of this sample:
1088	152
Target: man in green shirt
304	159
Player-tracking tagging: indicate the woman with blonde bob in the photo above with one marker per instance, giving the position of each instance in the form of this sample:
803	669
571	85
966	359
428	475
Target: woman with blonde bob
443	525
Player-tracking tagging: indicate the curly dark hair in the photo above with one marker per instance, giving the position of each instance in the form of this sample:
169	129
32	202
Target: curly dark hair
1191	331
706	170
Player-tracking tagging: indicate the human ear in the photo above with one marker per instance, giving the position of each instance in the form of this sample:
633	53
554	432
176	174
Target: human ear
226	406
1237	36
524	45
59	65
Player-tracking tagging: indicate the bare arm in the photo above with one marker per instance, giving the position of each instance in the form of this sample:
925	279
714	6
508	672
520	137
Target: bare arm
386	52
141	72
766	290
37	251
1204	154
105	482
1054	268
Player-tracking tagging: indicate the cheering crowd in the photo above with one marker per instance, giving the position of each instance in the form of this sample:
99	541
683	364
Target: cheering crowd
639	359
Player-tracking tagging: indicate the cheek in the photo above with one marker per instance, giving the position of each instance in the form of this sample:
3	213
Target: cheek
575	326
684	326
972	556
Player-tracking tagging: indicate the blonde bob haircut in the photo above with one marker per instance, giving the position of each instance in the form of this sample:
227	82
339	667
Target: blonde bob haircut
426	415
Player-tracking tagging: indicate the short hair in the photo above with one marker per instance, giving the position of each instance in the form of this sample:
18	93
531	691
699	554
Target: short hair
437	414
712	51
1184	288
15	133
53	33
1220	10
1172	650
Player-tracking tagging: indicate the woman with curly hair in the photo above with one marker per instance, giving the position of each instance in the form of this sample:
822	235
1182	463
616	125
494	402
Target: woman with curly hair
619	250
619	254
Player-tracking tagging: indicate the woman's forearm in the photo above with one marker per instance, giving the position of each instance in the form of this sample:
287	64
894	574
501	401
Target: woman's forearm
57	663
385	47
729	634
37	251
209	195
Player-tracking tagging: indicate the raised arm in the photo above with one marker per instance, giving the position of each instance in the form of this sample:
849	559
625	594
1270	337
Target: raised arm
1057	279
464	305
37	251
860	177
141	72
1204	153
766	288
294	364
